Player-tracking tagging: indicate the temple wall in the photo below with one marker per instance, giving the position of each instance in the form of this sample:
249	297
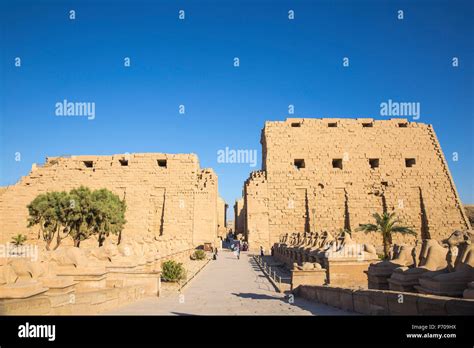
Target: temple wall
168	197
221	217
239	216
348	170
256	211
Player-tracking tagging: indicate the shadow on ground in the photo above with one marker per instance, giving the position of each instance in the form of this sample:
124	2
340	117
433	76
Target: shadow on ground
314	308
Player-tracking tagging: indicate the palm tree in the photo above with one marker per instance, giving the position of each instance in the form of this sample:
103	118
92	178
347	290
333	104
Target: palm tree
18	240
387	223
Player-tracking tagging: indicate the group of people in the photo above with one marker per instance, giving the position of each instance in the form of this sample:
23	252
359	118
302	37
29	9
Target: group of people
237	247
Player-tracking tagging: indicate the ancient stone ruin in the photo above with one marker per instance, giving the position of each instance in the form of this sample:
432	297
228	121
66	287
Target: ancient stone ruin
172	207
321	179
331	174
168	197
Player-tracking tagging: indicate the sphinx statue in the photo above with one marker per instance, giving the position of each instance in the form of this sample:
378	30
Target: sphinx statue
283	238
129	254
293	240
299	251
432	258
379	272
307	266
278	247
19	278
69	258
469	292
326	242
143	250
296	243
312	245
345	247
454	279
104	255
300	246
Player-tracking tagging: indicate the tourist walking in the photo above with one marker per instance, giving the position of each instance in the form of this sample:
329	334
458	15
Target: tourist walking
262	251
237	251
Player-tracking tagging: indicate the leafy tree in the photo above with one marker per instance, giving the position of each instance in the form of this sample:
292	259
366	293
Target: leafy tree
99	212
386	224
48	210
79	214
109	214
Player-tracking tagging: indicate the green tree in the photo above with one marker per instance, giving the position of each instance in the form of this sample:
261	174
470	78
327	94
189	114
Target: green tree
79	214
99	212
109	214
48	210
386	224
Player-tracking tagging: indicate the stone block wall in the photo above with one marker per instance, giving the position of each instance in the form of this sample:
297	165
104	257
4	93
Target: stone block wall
329	174
221	217
168	196
239	216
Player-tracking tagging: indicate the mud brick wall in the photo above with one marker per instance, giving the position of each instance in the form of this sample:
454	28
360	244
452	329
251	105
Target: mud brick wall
256	210
328	174
168	197
221	217
239	216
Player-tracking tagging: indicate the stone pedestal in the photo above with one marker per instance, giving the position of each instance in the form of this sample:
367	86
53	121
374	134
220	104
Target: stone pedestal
150	281
347	272
405	279
451	287
307	277
21	289
379	273
377	281
469	292
34	305
61	294
86	278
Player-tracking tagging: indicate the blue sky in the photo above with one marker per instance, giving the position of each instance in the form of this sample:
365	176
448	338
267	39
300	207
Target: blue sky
190	62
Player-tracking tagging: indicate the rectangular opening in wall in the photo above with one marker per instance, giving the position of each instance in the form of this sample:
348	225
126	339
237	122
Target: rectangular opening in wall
403	125
337	163
367	125
123	162
88	164
410	162
299	163
296	124
374	163
162	163
332	124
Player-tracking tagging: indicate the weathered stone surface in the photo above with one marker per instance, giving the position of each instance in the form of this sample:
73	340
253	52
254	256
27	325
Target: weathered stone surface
329	174
169	197
382	302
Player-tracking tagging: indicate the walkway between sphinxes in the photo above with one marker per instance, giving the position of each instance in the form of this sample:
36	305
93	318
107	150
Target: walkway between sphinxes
228	286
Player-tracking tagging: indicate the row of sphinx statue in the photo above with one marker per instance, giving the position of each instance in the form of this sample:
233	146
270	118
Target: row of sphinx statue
443	268
429	266
314	248
21	275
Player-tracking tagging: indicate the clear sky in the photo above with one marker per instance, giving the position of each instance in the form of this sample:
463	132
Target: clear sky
190	62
